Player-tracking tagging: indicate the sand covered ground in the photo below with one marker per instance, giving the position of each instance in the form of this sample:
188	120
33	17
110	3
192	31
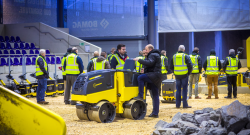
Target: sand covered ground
121	126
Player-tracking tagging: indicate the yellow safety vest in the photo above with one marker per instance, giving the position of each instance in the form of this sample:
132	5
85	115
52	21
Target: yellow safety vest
121	63
63	71
232	67
163	67
139	65
38	70
99	65
180	66
212	65
72	65
194	59
109	58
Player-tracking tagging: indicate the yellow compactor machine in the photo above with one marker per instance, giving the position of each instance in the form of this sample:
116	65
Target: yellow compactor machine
105	94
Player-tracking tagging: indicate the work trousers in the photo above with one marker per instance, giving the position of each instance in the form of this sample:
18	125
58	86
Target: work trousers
212	79
142	79
70	80
41	88
181	83
231	82
193	79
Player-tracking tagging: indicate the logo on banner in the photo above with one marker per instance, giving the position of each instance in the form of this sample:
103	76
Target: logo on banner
104	23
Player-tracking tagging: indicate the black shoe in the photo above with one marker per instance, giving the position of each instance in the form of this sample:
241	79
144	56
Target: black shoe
147	95
228	97
153	115
73	102
188	107
177	107
138	98
235	97
66	102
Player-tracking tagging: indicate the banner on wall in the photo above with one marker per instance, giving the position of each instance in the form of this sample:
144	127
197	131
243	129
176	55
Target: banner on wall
30	11
203	15
102	18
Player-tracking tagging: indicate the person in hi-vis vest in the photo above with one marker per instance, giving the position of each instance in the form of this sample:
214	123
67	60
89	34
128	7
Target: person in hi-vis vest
42	75
212	66
73	66
110	56
164	67
63	71
119	58
231	66
100	63
96	55
194	76
182	67
138	66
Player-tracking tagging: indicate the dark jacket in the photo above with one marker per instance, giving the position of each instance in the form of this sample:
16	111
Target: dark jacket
199	62
166	62
114	62
152	66
205	63
90	64
99	59
225	63
41	66
78	61
189	66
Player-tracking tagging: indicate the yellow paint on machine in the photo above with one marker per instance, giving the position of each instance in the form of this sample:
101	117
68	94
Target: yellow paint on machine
22	116
248	52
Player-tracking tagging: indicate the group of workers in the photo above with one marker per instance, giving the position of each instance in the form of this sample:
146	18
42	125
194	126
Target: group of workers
153	66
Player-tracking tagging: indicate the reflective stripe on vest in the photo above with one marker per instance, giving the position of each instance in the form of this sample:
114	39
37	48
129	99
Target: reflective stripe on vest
232	67
180	66
99	65
63	71
38	70
71	65
212	65
194	59
109	58
121	63
163	67
139	65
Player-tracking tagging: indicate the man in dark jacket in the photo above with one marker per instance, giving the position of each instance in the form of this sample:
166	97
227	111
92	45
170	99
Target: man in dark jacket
212	71
73	66
194	76
182	67
231	66
119	58
152	75
42	75
96	55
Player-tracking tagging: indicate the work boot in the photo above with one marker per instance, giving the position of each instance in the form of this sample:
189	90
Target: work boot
197	97
153	115
228	97
66	102
138	98
209	97
190	97
216	97
73	102
188	107
235	96
43	102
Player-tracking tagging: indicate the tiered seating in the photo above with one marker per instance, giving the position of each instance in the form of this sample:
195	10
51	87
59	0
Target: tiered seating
1	39
7	39
12	39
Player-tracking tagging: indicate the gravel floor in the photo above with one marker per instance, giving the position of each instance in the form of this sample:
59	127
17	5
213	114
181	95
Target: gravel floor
122	126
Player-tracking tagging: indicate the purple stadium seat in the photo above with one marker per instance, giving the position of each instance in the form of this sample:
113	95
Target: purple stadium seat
12	52
33	61
24	52
47	52
1	52
1	39
5	52
53	61
12	39
28	61
58	60
3	62
16	46
21	46
32	46
2	46
18	52
18	40
27	46
21	61
7	39
16	62
36	51
48	60
8	46
11	62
